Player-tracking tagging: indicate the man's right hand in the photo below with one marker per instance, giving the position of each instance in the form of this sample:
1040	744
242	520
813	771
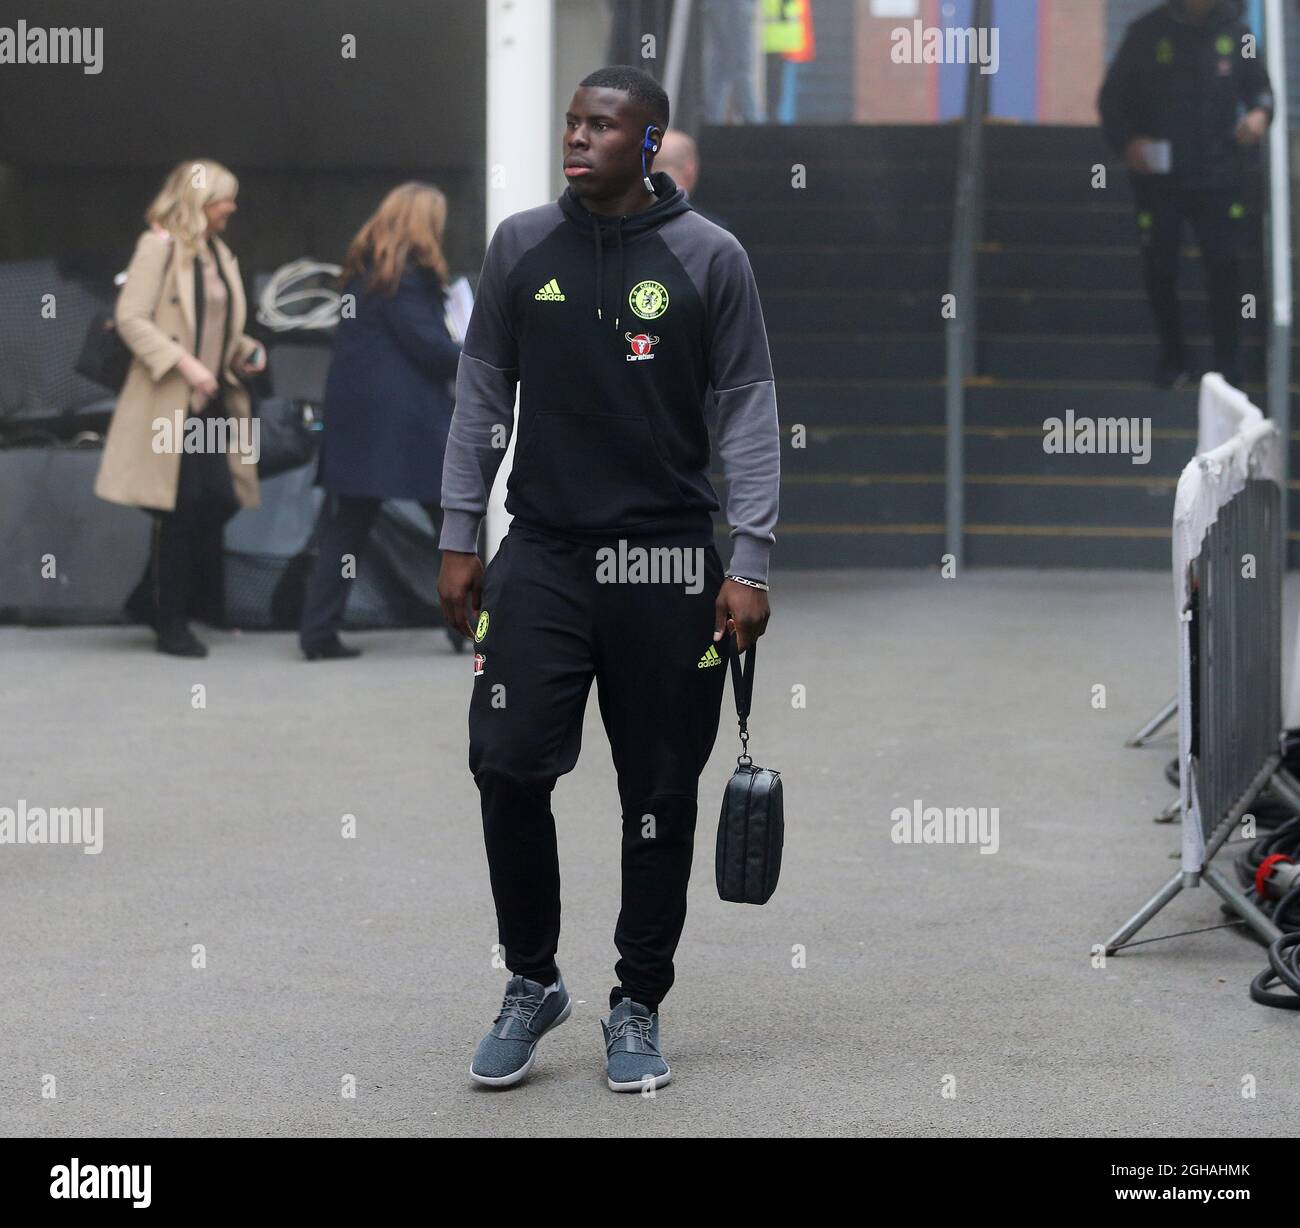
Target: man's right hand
460	589
1135	155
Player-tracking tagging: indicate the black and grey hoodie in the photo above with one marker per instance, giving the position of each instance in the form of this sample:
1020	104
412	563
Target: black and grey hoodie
615	330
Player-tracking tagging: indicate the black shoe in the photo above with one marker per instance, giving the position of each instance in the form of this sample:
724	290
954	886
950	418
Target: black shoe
330	650
1175	375
180	641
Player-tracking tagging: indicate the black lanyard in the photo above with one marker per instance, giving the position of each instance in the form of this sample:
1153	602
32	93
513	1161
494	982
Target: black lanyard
743	684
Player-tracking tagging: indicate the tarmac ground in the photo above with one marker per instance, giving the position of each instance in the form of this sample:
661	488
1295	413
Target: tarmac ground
231	964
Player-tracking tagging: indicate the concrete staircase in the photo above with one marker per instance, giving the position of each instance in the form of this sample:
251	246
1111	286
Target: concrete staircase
852	268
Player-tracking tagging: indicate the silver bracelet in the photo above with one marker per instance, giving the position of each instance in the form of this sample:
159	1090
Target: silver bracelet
750	583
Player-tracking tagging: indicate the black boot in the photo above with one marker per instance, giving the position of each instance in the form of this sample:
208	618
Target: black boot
333	649
177	640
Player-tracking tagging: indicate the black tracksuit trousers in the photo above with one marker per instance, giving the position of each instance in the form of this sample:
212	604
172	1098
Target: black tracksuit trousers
551	624
1216	217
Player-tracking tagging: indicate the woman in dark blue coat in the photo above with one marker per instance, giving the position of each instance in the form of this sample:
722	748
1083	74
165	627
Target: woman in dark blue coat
388	397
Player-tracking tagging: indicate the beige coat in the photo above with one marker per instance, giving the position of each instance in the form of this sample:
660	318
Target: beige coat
155	318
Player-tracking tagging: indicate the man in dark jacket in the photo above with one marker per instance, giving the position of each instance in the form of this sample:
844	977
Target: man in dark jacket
615	309
1172	105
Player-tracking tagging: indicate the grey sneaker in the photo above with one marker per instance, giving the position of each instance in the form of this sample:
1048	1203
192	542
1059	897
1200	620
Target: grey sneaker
633	1060
529	1010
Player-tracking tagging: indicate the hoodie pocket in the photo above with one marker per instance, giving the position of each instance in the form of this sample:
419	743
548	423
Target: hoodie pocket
593	471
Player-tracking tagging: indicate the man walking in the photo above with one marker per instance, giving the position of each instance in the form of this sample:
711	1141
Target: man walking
1186	92
615	309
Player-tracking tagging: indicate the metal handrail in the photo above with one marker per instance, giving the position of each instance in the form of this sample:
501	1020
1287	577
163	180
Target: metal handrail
967	227
679	25
1277	165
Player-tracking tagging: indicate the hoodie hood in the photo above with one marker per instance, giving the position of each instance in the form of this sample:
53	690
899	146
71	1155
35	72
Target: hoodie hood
604	230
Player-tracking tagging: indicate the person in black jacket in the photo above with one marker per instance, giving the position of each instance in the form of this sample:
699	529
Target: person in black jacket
1188	87
616	312
388	404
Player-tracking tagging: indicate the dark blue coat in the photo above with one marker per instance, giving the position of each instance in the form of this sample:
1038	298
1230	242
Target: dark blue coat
388	402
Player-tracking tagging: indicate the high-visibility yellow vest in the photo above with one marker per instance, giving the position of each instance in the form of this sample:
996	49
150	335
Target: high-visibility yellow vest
784	28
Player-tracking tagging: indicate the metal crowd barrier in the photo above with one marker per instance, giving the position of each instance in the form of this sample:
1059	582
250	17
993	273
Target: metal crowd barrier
1228	568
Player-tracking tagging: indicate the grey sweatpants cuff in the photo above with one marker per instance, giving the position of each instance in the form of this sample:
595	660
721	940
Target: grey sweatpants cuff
459	531
749	557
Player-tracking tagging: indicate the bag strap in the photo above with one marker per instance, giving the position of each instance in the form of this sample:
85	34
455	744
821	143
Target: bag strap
743	684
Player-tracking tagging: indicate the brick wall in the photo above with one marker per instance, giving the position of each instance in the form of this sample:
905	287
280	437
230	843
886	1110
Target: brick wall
1072	46
1072	35
885	92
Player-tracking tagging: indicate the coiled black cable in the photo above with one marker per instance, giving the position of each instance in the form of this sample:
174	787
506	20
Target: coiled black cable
1280	837
1284	969
1283	952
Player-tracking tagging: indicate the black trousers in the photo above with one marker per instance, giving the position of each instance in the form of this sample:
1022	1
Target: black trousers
346	521
183	578
551	623
1216	217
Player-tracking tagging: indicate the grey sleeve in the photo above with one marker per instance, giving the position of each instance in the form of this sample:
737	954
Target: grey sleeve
747	434
484	417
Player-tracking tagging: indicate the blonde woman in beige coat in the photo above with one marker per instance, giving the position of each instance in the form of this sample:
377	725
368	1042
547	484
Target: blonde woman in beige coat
181	313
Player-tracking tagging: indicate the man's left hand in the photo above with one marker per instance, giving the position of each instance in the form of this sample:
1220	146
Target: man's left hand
741	609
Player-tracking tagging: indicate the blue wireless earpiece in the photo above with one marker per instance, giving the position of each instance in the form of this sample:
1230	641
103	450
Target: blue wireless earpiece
648	145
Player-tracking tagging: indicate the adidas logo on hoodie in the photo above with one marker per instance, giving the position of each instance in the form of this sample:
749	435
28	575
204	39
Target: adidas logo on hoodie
550	293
